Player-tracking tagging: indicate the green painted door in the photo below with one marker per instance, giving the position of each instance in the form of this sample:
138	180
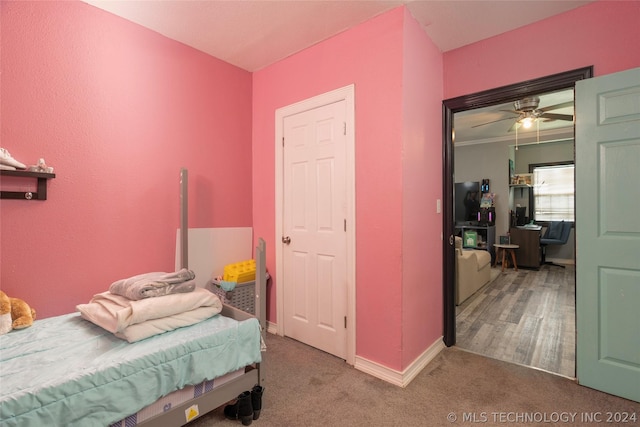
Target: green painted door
608	233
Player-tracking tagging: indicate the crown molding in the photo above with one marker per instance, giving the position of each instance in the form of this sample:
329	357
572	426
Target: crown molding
550	135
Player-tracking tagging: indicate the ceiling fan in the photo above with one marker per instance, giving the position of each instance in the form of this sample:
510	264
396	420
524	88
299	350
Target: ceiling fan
527	113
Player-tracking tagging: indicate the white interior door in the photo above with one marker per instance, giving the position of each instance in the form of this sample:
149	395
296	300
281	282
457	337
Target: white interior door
608	243
314	228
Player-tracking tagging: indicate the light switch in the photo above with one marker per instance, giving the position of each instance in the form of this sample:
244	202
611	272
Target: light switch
438	206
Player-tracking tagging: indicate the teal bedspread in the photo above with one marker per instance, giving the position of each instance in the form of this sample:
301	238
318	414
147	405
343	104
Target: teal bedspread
66	371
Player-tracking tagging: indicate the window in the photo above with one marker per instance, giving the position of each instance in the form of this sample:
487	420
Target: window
553	192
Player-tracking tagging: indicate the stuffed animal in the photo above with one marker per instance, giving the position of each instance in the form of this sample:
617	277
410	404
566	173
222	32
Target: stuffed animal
14	314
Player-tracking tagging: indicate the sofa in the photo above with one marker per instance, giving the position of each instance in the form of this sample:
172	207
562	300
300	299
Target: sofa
473	271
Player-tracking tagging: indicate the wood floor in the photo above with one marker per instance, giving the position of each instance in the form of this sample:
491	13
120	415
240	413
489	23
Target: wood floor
526	317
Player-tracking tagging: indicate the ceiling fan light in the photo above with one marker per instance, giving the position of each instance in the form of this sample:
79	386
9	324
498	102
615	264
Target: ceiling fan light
527	122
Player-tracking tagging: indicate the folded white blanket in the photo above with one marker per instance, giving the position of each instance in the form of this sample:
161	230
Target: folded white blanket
153	327
154	284
115	313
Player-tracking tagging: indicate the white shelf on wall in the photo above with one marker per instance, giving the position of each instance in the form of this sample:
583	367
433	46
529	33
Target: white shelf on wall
522	187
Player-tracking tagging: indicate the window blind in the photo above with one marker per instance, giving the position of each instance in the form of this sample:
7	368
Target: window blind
554	193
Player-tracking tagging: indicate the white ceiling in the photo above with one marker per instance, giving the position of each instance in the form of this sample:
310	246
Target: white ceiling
253	34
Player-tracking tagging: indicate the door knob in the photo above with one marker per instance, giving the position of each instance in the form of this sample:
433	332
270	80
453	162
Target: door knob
286	240
451	239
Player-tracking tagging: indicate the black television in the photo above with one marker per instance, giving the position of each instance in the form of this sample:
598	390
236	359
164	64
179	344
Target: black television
467	198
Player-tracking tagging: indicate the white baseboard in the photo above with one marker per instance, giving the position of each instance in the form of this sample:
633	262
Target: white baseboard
401	379
561	261
272	328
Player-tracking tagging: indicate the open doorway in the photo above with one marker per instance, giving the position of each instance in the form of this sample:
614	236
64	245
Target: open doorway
508	94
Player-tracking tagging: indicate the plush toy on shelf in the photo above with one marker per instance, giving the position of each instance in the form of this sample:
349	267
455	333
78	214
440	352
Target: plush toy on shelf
14	314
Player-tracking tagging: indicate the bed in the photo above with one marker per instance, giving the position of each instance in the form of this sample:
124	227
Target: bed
67	371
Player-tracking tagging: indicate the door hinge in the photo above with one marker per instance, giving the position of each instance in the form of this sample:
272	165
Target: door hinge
283	141
345	322
345	224
344	128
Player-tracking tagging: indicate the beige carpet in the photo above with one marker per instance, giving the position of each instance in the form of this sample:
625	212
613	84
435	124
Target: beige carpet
307	387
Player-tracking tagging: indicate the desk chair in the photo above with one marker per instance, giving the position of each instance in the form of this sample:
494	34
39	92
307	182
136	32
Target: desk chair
557	233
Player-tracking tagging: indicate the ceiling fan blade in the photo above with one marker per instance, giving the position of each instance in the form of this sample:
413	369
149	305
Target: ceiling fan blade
494	121
557	106
552	116
513	127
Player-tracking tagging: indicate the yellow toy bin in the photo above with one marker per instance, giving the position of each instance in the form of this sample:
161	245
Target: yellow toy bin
240	272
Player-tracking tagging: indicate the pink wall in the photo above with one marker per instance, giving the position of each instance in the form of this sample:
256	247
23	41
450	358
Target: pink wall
370	56
117	110
397	73
421	187
367	56
605	34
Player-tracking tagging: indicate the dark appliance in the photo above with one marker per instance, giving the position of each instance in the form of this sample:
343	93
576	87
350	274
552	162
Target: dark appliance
521	215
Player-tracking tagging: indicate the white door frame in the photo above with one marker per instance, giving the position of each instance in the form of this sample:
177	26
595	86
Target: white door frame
347	94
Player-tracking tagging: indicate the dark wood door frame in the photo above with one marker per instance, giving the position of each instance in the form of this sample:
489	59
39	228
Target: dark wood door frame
510	93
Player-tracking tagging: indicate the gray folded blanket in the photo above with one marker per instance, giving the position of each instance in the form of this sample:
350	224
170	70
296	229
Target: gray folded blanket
154	284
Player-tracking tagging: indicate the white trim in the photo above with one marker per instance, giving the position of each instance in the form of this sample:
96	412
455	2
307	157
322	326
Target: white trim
272	328
346	94
564	261
549	135
401	379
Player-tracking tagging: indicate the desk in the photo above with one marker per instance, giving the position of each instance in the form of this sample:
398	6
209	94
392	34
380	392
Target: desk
528	238
505	248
